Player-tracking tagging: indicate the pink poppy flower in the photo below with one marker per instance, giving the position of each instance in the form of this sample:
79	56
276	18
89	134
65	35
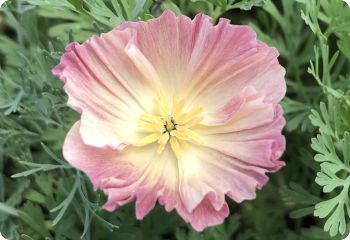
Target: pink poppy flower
175	111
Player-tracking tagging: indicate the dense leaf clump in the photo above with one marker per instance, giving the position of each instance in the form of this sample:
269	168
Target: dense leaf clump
42	197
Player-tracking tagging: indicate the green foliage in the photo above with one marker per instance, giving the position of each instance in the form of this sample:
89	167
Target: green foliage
85	18
334	174
42	197
216	8
331	118
223	232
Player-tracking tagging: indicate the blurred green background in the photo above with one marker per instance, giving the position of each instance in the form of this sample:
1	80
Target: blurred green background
42	197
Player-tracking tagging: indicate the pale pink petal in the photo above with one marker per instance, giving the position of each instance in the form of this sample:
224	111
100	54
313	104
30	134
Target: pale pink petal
104	85
257	68
180	48
97	163
122	177
259	153
206	172
125	175
248	111
225	113
204	215
202	61
253	134
271	130
166	42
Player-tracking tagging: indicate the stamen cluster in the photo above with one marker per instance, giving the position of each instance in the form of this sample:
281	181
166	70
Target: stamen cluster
171	123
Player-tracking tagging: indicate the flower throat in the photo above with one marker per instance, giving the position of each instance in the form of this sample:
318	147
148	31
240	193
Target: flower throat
170	123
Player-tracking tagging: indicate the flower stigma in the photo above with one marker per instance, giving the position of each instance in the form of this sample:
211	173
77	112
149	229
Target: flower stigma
170	123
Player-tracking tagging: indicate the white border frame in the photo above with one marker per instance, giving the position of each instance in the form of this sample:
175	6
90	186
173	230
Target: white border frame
347	2
1	237
1	2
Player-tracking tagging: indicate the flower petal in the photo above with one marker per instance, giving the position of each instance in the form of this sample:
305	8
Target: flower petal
248	110
257	68
105	86
125	175
201	61
97	163
166	42
205	215
209	173
253	134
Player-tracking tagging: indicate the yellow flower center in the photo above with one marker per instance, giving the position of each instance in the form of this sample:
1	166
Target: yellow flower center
171	123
